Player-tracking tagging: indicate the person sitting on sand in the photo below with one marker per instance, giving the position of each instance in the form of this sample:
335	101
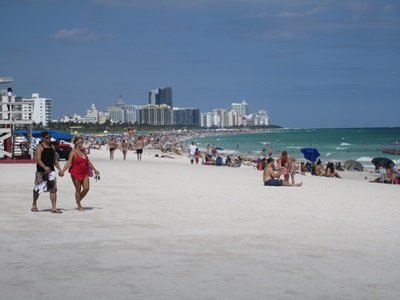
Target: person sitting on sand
302	168
236	162
319	168
390	176
330	171
282	165
228	161
271	177
208	160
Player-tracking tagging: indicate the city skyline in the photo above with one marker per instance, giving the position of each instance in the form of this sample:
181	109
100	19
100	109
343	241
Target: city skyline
237	115
309	63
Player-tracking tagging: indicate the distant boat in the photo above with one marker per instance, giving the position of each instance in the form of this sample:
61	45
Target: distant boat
391	149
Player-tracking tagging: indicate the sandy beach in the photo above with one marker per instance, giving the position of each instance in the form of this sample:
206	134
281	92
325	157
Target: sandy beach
164	229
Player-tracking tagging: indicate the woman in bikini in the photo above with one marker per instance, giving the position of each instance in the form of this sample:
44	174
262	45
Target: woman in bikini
79	167
112	146
124	148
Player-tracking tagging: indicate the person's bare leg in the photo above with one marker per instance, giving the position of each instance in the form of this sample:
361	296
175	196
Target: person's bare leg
285	183
34	202
53	199
78	199
85	188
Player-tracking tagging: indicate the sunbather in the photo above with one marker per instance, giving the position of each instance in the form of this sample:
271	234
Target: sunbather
271	177
330	171
319	169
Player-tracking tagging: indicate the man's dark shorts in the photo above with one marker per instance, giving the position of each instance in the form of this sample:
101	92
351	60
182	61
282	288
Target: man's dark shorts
273	182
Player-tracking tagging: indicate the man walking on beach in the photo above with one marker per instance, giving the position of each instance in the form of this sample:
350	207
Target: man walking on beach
139	144
45	177
192	152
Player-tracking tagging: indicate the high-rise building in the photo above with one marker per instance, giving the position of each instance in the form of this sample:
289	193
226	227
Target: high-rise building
223	116
116	111
130	113
210	119
233	118
153	97
186	116
155	115
161	96
37	109
241	108
92	115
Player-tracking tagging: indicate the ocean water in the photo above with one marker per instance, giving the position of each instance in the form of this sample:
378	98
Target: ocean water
338	144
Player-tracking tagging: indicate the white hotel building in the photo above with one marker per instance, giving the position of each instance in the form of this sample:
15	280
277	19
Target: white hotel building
238	115
34	108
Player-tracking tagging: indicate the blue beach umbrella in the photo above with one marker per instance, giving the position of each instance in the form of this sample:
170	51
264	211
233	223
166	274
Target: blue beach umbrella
310	154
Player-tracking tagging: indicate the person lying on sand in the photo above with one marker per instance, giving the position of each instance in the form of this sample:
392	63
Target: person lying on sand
330	171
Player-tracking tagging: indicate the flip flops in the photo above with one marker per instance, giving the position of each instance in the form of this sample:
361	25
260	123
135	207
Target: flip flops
56	211
34	209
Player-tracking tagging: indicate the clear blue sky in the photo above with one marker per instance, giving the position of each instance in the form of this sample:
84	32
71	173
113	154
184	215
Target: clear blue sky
310	63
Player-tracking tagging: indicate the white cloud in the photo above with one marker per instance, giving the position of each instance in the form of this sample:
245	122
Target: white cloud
75	35
307	13
390	8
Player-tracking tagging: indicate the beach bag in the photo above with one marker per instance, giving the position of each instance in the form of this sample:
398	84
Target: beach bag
90	171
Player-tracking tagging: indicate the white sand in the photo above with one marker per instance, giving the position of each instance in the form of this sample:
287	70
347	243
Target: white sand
163	229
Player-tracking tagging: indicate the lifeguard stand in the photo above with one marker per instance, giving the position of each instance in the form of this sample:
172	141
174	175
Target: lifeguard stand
13	152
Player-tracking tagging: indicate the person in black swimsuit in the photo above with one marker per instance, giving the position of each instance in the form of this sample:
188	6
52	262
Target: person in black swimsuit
45	178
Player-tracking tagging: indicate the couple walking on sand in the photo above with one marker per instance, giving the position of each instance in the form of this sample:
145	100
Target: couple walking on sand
80	168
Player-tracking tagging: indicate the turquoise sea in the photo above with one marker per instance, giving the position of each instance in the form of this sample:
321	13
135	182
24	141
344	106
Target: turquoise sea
338	144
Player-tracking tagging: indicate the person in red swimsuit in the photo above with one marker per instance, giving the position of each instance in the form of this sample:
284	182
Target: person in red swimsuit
79	167
282	165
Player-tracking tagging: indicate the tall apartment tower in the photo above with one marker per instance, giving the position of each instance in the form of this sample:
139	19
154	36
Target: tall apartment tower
161	96
241	108
41	112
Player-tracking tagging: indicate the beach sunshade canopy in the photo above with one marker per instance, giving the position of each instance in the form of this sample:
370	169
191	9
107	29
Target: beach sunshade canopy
58	135
353	165
382	162
310	154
